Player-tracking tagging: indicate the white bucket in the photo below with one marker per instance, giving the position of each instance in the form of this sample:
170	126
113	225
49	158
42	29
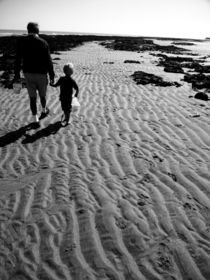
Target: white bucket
75	102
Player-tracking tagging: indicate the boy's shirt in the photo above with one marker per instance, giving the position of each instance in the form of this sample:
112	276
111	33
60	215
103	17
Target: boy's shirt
67	84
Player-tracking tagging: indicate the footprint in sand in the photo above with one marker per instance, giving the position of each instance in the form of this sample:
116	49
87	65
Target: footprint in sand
157	158
163	260
143	200
173	176
121	223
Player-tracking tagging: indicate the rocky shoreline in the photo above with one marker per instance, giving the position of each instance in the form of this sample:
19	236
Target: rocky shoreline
173	57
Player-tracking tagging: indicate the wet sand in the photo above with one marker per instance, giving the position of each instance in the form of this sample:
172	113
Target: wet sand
122	193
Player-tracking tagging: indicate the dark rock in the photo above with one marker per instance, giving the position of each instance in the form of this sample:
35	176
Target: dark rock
202	96
108	62
132	61
176	64
170	64
174	68
143	78
183	43
170	49
199	81
192	65
141	45
197	67
205	69
175	59
127	44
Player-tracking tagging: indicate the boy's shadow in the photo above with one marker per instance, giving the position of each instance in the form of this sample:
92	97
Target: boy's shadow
50	129
13	136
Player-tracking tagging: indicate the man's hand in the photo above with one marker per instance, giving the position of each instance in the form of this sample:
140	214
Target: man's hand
52	82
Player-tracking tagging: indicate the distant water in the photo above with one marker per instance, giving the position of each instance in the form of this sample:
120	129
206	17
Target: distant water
10	32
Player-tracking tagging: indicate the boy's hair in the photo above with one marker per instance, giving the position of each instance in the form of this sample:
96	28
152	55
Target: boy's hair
68	66
33	27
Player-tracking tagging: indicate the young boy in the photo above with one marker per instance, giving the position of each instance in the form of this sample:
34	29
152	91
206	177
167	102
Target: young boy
67	84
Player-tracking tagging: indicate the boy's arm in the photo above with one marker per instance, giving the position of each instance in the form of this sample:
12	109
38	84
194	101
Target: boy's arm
56	84
76	89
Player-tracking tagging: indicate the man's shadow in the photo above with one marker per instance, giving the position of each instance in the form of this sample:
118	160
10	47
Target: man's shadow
50	129
13	136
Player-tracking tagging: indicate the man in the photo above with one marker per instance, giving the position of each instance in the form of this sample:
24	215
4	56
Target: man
33	57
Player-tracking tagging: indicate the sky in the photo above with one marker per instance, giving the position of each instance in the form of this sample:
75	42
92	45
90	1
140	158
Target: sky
155	18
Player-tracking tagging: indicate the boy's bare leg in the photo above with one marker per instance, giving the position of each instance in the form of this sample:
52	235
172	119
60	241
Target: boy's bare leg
67	117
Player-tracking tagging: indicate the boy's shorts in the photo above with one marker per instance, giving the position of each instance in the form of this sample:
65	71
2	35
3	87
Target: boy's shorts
36	82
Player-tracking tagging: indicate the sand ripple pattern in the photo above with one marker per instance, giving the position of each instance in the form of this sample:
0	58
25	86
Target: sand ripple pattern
120	194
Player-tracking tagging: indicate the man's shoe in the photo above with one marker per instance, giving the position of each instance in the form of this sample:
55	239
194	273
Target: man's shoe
44	114
35	125
35	122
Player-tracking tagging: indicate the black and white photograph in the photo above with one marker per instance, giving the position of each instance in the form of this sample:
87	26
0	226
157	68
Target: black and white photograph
105	140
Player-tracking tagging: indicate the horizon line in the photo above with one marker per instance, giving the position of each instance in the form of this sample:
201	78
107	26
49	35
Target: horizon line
103	34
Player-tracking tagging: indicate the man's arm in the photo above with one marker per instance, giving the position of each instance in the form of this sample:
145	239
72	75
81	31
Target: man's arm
56	84
50	66
76	89
18	60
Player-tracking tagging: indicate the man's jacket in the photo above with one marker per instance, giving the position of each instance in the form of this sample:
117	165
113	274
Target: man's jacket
33	56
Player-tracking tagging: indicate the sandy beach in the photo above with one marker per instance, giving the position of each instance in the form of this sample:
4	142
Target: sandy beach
123	192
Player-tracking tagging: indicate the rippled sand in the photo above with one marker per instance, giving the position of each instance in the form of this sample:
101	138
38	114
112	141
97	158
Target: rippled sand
122	193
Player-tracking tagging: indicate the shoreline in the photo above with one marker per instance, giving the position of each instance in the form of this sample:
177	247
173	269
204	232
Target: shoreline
66	33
